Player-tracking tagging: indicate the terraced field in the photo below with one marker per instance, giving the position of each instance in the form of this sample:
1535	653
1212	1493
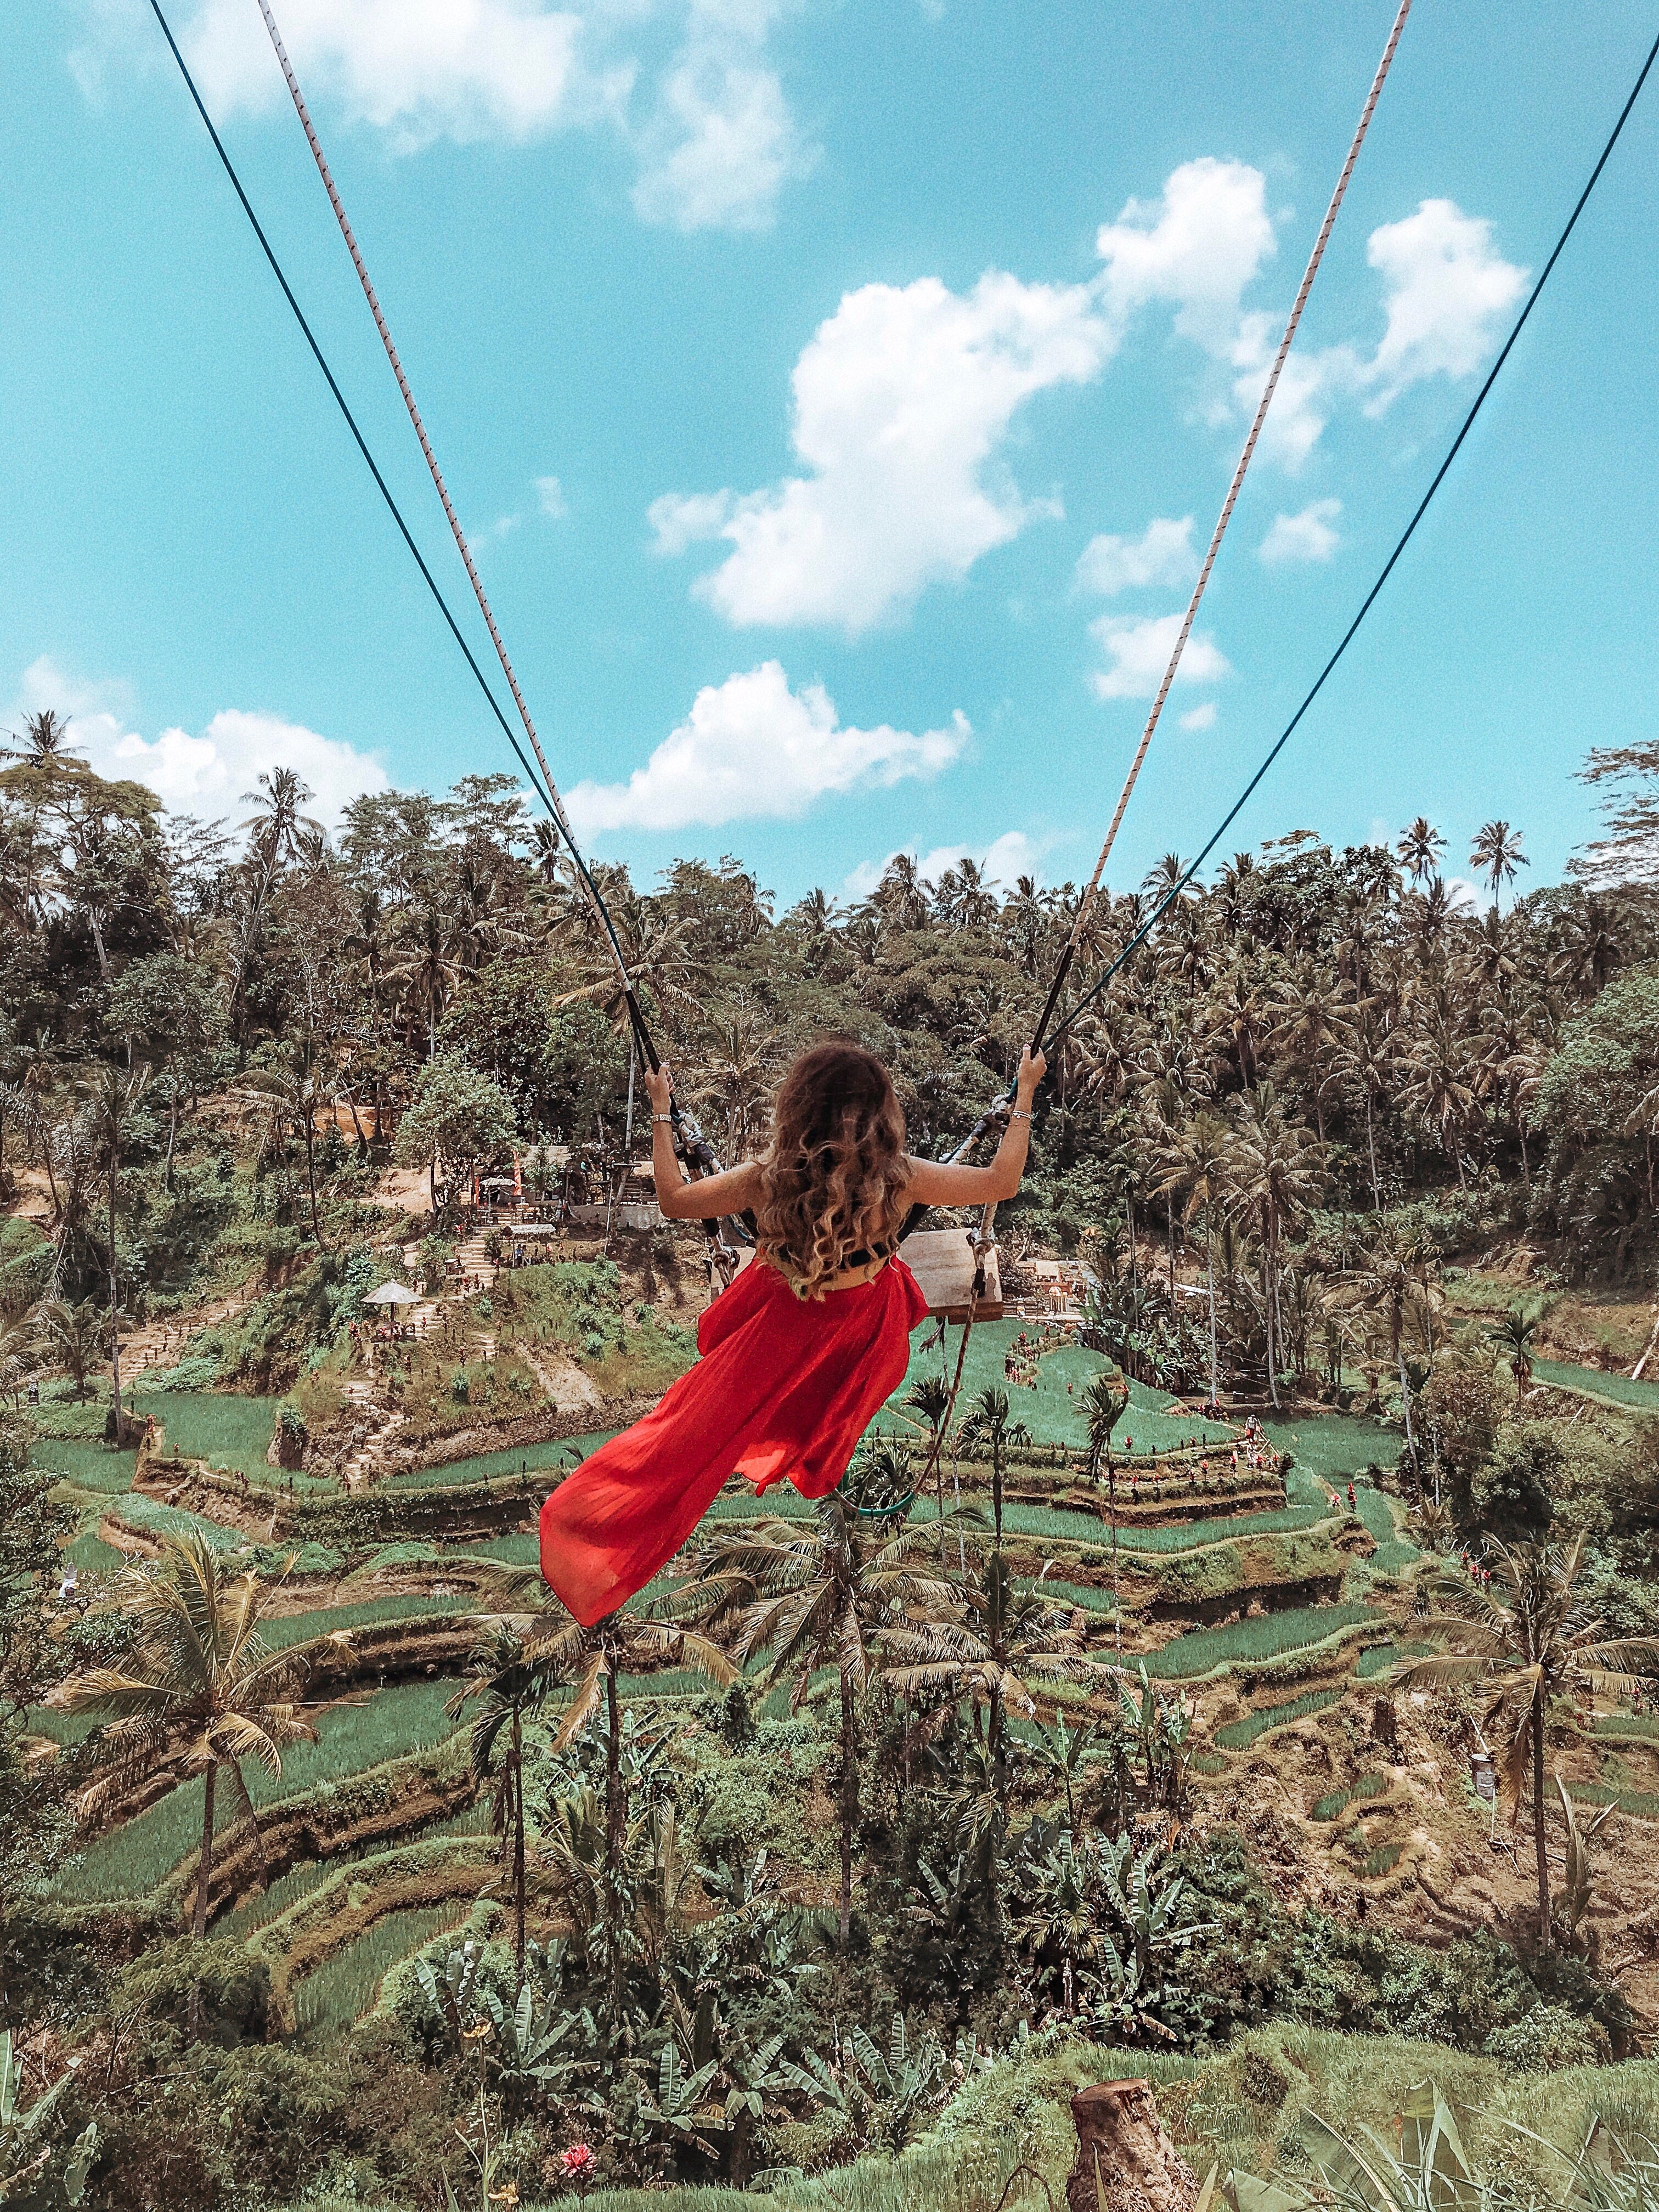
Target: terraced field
1050	1410
1341	1642
133	1859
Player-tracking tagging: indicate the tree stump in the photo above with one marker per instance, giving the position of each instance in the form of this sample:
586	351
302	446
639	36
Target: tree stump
1125	2161
1385	1726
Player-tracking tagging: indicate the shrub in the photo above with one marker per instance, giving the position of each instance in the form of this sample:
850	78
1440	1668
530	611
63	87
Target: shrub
1547	2039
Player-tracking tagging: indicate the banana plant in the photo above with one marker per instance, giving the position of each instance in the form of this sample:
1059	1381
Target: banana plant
901	2081
1429	2171
1062	1753
25	2161
679	2108
534	2048
454	1998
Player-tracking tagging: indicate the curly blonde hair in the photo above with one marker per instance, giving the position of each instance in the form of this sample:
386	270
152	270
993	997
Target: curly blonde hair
832	1183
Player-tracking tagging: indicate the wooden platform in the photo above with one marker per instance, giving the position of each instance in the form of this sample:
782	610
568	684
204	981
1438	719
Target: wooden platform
942	1261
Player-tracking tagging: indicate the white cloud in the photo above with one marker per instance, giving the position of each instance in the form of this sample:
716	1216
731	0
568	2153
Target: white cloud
418	70
1197	247
1139	647
717	142
1446	294
901	400
493	532
1002	862
1448	291
722	143
1200	718
1162	553
205	775
679	520
753	748
1309	536
551	499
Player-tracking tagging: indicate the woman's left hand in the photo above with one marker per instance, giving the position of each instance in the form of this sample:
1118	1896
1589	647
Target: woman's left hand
660	1088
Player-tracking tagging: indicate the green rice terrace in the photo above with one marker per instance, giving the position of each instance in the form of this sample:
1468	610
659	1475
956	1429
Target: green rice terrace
1203	1621
1150	1699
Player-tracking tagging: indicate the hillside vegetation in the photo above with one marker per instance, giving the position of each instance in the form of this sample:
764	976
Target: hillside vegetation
1135	1712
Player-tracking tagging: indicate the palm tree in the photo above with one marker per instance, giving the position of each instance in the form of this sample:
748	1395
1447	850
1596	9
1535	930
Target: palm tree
46	739
1526	1639
1496	855
277	828
72	1337
1103	1401
735	1071
511	1675
1393	1281
988	1421
1199	1162
1009	1638
591	1659
1438	1088
1419	849
814	1596
932	1397
199	1685
1514	1337
1278	1171
290	1094
1364	1058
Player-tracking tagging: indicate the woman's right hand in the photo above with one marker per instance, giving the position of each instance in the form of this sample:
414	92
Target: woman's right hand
660	1088
1033	1067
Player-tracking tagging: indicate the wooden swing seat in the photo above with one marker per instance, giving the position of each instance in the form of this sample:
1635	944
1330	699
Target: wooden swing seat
942	1261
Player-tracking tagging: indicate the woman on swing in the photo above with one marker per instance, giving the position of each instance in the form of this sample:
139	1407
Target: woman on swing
806	1345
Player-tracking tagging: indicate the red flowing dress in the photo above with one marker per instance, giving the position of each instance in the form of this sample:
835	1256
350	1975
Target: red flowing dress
785	1387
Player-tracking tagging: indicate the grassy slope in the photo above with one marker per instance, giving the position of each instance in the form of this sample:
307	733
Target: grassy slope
1052	1414
1235	2108
131	1860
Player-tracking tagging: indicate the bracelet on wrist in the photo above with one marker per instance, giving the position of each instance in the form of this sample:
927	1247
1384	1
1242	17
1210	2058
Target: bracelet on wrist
667	1119
1019	1114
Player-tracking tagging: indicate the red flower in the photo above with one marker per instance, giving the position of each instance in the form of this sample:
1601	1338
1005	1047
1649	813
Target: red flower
578	2163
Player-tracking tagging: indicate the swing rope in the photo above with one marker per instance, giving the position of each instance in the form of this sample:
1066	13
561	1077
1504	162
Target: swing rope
690	1142
1046	1037
1086	903
1098	990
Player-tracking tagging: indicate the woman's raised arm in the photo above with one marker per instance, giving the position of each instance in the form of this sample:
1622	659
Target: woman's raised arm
936	1183
711	1199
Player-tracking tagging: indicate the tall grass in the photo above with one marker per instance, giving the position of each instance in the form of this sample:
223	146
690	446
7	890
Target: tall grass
1265	1636
1331	1807
346	1987
1070	1527
1626	1725
217	1425
300	1627
152	1518
557	1452
1642	1803
89	1466
94	1557
1619	1387
130	1859
1239	1736
311	1874
1336	1444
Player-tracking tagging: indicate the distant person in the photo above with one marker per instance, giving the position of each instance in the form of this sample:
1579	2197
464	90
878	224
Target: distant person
802	1349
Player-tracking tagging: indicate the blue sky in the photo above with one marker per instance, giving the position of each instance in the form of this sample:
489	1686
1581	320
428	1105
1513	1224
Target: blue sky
828	385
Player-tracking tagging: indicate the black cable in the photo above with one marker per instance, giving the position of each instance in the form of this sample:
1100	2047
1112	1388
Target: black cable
1171	896
350	419
698	1147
